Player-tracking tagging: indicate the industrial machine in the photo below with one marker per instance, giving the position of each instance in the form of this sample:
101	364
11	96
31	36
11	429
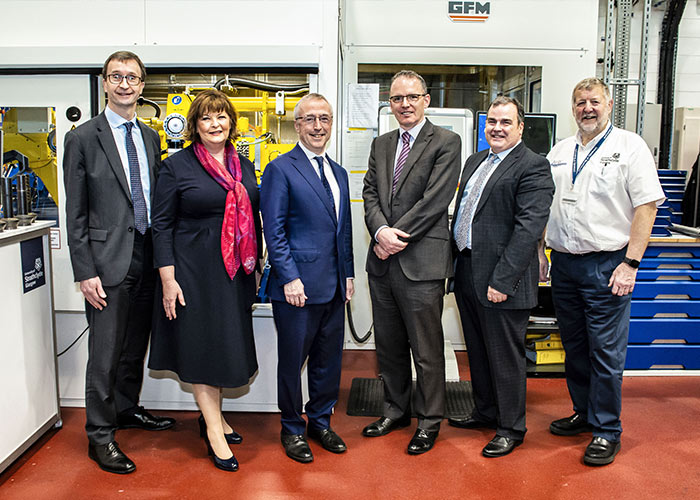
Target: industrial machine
29	153
262	117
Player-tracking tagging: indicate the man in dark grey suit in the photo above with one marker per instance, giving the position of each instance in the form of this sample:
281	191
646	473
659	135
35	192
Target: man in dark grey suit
409	184
110	165
502	208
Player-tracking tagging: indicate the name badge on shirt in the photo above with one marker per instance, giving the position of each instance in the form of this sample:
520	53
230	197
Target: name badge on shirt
570	197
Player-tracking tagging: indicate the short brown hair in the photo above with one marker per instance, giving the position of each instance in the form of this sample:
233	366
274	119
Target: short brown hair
210	101
589	84
408	73
503	100
121	56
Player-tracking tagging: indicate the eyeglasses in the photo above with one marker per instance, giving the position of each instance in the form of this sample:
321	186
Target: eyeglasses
398	99
116	79
311	119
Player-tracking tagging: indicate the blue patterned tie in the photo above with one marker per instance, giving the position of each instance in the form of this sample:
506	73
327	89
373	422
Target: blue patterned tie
140	211
464	228
324	181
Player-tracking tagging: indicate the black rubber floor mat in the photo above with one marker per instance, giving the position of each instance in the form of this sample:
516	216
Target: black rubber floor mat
367	398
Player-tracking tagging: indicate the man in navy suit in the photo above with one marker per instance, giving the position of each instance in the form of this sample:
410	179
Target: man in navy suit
305	206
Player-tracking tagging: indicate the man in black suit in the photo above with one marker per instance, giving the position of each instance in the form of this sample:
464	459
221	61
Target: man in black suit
502	208
409	184
110	165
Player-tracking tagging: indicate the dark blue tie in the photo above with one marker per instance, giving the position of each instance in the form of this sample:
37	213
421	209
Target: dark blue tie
140	211
324	181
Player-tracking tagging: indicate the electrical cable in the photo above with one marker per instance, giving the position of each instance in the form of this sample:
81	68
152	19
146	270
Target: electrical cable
667	76
288	88
142	100
353	332
73	343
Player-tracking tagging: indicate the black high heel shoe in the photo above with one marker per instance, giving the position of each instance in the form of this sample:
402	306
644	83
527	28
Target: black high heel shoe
230	464
233	438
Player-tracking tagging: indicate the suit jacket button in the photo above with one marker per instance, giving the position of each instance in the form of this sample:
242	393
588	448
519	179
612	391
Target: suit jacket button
130	229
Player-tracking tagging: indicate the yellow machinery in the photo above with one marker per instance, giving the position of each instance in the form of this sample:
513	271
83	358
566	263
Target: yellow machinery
31	131
256	142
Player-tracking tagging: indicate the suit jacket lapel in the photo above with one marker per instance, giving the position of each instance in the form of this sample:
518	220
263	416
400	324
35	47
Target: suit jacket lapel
424	137
151	153
501	169
106	140
302	164
390	160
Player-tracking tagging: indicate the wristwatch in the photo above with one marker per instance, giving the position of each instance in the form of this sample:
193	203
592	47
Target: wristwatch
631	262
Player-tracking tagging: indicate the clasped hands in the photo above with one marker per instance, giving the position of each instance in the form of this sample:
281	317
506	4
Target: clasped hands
388	242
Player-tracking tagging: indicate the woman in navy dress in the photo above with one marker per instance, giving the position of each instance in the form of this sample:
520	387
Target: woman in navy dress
207	241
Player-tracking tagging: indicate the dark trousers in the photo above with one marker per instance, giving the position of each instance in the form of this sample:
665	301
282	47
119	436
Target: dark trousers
315	331
117	345
408	318
594	326
495	341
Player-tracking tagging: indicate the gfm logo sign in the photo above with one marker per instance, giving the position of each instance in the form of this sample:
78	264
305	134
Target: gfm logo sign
468	12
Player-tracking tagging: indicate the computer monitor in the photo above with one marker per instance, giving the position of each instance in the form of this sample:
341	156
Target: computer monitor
539	133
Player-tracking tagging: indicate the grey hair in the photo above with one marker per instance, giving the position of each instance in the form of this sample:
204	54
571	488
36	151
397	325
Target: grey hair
589	84
313	96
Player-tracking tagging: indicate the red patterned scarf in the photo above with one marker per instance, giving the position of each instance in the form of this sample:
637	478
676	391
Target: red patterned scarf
238	245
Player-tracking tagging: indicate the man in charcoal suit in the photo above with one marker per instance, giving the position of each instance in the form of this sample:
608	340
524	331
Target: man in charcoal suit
110	165
502	208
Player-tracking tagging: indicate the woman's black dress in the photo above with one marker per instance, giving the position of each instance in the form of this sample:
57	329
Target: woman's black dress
211	340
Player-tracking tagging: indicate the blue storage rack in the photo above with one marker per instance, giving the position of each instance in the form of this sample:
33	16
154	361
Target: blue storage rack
665	310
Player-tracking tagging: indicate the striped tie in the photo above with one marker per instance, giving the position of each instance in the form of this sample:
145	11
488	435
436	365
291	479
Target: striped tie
140	211
405	149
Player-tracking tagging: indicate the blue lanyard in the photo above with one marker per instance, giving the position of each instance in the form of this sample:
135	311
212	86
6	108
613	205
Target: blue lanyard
575	169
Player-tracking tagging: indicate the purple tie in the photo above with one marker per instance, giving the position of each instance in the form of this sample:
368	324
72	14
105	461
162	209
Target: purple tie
405	149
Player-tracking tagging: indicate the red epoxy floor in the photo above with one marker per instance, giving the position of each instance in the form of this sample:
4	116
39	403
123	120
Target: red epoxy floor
660	456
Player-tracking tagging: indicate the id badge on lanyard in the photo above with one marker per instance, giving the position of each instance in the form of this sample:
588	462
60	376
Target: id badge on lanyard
575	168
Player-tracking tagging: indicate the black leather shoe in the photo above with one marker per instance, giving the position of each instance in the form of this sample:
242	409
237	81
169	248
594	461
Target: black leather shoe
600	451
110	458
385	425
570	426
141	419
232	438
328	439
470	423
297	448
422	441
500	446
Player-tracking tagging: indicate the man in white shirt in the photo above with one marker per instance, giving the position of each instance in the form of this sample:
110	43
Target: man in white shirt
607	193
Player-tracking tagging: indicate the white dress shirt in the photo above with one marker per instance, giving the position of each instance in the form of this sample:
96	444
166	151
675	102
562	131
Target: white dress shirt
595	213
328	171
116	123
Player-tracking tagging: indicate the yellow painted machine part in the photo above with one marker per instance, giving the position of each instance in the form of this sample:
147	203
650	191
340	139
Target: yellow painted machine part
36	148
263	104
